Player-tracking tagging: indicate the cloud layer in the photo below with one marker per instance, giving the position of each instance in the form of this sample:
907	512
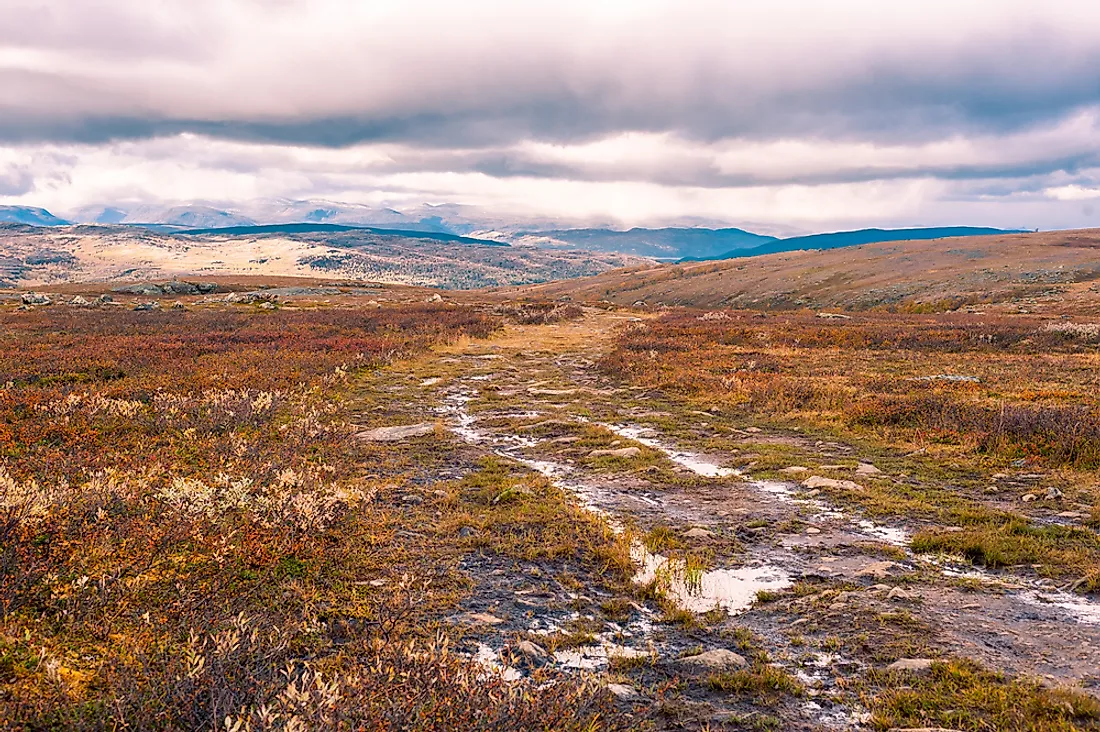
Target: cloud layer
789	112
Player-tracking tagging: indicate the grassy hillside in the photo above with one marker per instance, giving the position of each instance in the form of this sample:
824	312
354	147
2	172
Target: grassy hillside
938	274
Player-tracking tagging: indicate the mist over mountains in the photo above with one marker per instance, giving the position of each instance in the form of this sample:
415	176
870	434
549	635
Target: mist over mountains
454	220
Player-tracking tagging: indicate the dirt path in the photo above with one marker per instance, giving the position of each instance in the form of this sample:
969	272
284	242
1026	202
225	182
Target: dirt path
843	594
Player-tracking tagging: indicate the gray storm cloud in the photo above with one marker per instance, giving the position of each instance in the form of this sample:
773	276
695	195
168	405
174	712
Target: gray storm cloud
443	74
707	95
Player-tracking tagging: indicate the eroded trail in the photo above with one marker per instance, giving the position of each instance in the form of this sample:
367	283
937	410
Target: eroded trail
767	569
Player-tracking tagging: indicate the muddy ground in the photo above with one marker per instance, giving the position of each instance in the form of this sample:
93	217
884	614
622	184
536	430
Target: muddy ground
810	595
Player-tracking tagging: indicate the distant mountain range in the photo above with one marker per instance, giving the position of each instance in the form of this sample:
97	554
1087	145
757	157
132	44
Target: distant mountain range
463	224
29	215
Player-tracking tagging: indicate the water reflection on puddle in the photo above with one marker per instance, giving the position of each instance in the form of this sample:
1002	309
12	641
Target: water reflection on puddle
733	590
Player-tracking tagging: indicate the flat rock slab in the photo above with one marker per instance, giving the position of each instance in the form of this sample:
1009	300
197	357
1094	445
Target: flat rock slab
718	659
624	452
818	481
398	433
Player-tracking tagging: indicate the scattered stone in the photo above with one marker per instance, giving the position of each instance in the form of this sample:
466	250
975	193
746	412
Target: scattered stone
817	481
435	298
623	692
753	430
834	467
79	302
834	316
1029	497
911	665
412	499
718	659
36	298
398	433
814	493
1053	494
177	305
623	452
878	570
147	306
476	619
267	305
465	532
867	469
532	653
698	533
813	531
794	470
104	299
899	594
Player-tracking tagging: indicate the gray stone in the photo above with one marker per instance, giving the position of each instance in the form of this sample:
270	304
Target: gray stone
36	298
718	659
532	652
817	481
867	469
623	452
623	692
698	533
474	620
398	433
911	665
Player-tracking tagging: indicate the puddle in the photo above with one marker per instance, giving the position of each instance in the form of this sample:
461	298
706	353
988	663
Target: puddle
733	590
490	659
592	657
688	460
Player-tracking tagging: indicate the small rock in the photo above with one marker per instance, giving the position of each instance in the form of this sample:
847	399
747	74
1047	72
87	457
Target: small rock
466	532
104	299
1029	497
899	594
623	452
177	305
1053	494
79	302
795	469
267	305
877	570
814	493
698	533
435	298
813	531
911	665
817	481
147	306
476	619
718	659
622	691
36	298
533	653
412	499
398	433
867	469
753	430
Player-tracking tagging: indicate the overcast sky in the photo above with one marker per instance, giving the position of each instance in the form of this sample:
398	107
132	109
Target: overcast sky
782	114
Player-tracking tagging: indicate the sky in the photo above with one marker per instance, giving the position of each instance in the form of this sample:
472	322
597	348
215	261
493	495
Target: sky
777	115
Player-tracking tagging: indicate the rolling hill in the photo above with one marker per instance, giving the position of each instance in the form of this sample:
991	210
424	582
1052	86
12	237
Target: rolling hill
836	240
940	273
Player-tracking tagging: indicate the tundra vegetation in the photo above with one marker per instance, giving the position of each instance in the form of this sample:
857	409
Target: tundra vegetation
208	521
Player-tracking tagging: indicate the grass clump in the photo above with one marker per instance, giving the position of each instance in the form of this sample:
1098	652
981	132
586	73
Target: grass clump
961	695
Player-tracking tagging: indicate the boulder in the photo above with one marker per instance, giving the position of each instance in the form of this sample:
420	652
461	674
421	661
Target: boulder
79	302
398	433
718	659
36	298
